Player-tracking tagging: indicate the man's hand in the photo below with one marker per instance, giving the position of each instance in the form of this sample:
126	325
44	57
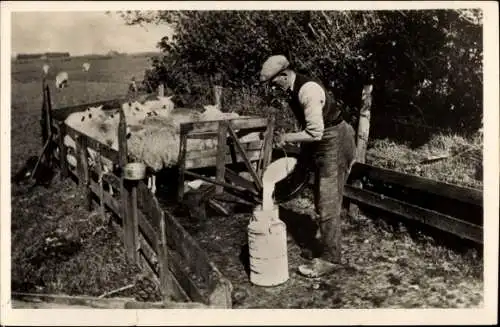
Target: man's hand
279	140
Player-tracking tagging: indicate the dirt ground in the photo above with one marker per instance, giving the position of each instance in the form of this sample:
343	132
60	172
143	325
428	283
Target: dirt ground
383	267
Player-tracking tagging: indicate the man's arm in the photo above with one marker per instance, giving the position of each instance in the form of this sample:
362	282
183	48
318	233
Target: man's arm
313	98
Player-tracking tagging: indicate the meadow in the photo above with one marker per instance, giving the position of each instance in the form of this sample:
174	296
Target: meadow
386	266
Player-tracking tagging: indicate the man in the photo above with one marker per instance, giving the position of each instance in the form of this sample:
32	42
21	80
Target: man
331	142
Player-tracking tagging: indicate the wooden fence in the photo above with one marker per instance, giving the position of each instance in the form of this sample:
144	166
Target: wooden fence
153	238
448	208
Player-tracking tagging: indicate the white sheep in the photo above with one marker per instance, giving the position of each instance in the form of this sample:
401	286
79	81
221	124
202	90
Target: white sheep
62	80
103	127
213	113
163	106
86	66
45	69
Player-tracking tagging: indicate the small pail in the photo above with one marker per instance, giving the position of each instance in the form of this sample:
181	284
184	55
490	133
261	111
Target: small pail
134	171
267	243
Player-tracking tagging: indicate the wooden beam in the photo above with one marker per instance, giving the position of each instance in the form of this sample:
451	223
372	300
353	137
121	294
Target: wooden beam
129	217
182	165
267	146
432	218
62	113
220	163
362	137
255	177
463	194
62	150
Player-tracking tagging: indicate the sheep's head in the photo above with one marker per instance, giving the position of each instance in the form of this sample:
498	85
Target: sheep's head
96	113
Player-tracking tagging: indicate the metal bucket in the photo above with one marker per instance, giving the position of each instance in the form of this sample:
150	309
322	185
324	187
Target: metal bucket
292	185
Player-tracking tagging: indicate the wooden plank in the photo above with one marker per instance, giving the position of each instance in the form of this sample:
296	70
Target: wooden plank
165	283
432	218
201	135
182	165
190	287
192	255
246	160
220	163
83	171
93	302
99	170
133	212
62	150
463	194
61	114
112	203
252	155
149	241
233	177
149	205
167	305
129	218
212	152
212	125
267	145
214	181
112	180
106	151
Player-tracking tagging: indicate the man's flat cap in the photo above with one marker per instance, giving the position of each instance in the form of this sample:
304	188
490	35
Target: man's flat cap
272	67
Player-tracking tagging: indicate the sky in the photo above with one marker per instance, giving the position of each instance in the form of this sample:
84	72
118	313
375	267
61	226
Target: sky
77	32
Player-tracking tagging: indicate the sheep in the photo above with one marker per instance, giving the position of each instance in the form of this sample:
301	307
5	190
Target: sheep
213	113
163	106
96	124
62	80
86	66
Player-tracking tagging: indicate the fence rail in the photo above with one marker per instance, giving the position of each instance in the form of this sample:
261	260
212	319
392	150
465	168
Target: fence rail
449	208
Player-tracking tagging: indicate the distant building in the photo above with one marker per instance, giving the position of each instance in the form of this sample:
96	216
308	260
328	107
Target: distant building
43	56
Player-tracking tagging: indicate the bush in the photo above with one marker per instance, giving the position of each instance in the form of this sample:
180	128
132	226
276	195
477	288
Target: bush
426	65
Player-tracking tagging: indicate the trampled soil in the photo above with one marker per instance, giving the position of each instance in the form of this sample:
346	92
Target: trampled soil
383	267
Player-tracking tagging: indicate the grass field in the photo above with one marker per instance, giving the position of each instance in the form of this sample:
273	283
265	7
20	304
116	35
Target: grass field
385	266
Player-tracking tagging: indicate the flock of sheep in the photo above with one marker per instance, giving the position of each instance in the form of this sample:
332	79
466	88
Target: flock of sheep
153	130
62	78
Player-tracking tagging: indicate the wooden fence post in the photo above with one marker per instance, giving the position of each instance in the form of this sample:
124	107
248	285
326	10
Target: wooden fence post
218	96
62	151
362	137
43	114
165	283
83	170
221	155
267	146
128	197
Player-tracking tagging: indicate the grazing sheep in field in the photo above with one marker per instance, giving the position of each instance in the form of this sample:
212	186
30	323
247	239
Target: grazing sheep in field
62	80
86	66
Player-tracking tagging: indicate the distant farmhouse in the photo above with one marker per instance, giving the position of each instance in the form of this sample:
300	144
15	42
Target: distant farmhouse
43	56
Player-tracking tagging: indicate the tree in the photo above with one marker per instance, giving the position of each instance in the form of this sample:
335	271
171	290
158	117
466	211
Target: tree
426	64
